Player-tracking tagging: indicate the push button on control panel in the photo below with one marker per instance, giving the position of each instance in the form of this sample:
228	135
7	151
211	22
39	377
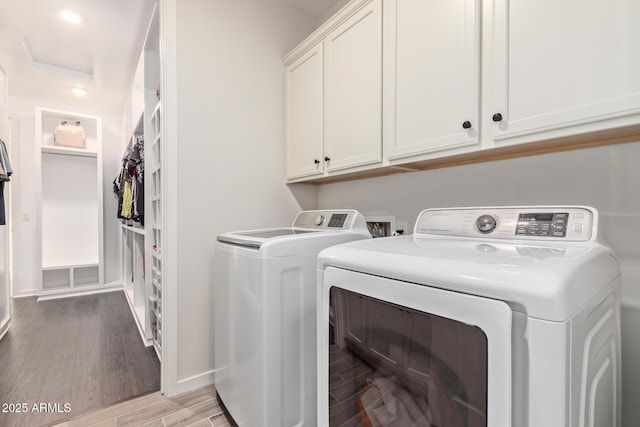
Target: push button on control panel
542	224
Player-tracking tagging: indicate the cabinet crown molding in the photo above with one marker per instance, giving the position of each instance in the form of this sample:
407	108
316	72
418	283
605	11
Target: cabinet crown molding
321	32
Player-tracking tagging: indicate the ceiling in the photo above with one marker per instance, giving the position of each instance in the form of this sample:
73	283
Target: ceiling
45	56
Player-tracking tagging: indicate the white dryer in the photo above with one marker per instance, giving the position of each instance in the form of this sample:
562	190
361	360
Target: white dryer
493	317
265	316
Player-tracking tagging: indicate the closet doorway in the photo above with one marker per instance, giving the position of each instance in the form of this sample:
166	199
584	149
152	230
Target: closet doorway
73	344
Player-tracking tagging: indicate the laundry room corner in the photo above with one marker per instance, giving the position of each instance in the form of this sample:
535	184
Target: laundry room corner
603	177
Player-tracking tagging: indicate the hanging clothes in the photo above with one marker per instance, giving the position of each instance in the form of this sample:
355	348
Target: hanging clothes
129	184
126	200
5	172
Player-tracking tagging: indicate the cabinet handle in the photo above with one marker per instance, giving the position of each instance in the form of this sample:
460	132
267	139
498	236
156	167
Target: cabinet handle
466	125
497	117
326	159
316	161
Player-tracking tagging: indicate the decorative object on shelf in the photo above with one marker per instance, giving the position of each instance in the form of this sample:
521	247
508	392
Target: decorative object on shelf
70	135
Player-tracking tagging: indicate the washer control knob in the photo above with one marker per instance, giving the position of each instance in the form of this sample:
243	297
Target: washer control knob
318	220
486	224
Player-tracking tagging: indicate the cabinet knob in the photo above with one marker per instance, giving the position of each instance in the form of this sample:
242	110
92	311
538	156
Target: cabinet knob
316	161
497	117
326	159
466	125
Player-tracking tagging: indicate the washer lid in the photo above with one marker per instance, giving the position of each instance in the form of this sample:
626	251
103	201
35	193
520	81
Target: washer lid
310	232
255	238
545	281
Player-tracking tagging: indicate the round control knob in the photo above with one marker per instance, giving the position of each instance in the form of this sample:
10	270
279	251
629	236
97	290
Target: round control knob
466	125
486	224
497	117
318	220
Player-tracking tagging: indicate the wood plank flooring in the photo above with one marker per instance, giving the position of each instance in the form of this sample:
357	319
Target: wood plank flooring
83	351
198	408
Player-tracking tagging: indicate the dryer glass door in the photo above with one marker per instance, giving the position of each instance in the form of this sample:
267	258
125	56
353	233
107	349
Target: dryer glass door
416	361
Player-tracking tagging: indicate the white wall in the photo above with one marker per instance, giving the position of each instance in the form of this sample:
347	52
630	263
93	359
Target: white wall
605	177
230	148
23	152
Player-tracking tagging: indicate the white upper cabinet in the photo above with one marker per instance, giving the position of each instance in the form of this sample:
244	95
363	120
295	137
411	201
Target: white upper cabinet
304	104
562	68
431	76
353	91
428	79
334	95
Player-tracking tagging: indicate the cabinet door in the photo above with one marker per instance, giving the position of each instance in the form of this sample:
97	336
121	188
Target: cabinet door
430	76
567	67
353	92
304	114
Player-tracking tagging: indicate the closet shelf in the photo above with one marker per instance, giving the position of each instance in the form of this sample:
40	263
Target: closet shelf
67	266
67	151
134	229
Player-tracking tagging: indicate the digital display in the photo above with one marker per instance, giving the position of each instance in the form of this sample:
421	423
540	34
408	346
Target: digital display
536	217
337	220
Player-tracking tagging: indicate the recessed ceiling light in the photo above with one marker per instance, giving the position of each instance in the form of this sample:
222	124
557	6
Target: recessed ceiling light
79	91
70	16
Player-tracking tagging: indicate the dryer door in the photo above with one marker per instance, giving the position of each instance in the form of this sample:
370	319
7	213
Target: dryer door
393	353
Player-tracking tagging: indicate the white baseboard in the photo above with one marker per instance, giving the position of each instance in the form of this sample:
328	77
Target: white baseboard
5	328
26	293
195	382
75	293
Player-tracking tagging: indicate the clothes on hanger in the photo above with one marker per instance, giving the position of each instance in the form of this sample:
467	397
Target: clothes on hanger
5	172
129	184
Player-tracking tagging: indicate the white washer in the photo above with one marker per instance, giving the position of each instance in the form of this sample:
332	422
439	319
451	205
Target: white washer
265	316
490	316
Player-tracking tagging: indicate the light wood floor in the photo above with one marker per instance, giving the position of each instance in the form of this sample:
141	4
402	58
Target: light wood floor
83	351
198	408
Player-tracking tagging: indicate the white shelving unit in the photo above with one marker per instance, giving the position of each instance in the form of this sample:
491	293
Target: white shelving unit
69	212
155	241
141	246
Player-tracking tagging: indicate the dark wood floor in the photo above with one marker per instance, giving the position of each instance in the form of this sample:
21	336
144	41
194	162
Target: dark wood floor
82	351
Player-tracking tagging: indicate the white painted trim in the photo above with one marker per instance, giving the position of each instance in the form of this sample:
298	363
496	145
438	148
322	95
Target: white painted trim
75	293
5	287
169	155
26	293
5	328
342	15
64	70
196	381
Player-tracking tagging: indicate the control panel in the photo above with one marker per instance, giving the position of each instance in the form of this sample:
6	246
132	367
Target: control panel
571	223
325	220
